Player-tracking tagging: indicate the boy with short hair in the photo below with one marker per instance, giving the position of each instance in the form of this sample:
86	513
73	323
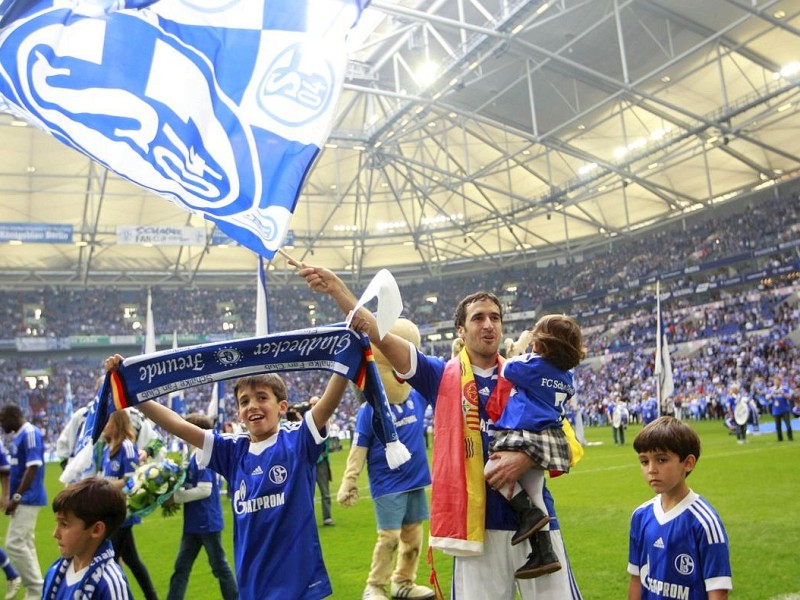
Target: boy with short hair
678	545
271	474
87	513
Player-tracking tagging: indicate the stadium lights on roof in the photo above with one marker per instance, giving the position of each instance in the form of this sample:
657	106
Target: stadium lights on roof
790	70
426	73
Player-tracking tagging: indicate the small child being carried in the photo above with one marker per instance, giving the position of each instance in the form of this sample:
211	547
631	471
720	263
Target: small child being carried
532	422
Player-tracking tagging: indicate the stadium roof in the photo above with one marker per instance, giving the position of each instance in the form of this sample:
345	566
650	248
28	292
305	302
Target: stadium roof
470	132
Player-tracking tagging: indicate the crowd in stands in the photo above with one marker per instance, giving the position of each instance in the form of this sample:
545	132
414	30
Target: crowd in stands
740	333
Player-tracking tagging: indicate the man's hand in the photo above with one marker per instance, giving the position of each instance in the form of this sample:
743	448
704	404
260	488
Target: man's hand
506	468
11	507
319	279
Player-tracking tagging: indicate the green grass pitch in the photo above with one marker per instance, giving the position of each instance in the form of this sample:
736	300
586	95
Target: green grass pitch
754	487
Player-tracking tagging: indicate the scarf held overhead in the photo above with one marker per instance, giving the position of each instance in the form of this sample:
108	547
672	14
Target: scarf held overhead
335	349
458	495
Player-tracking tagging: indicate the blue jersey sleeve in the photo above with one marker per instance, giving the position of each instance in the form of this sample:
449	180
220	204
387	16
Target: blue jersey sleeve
635	544
130	458
427	376
5	464
34	448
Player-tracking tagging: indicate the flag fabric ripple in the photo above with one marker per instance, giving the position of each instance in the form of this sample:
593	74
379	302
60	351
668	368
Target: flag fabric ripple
219	106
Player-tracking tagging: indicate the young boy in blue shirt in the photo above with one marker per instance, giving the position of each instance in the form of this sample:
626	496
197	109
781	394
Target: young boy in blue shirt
271	474
678	545
202	525
87	513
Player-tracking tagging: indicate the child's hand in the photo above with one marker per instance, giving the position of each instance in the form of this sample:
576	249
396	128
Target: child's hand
112	363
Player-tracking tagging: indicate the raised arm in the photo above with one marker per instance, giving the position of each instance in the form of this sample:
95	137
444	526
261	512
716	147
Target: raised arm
165	418
396	350
334	392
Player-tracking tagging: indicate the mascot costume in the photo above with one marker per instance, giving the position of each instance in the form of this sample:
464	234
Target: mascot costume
399	495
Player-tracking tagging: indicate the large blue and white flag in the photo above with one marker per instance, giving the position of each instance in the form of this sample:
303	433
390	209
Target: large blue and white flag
663	363
220	106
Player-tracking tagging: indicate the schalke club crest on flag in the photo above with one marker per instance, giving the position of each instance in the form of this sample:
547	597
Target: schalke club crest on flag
219	106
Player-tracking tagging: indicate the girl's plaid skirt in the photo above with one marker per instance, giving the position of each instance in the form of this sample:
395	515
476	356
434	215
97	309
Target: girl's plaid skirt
549	448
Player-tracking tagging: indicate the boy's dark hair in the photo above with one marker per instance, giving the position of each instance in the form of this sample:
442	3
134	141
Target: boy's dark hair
201	420
12	410
460	316
271	380
668	434
561	340
91	500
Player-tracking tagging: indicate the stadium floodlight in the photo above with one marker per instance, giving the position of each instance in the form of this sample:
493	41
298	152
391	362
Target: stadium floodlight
426	73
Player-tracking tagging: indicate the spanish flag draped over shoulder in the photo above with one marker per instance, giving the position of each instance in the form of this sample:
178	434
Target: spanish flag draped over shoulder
458	494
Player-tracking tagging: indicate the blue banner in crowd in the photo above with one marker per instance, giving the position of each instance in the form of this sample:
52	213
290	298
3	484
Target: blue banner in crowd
219	106
36	233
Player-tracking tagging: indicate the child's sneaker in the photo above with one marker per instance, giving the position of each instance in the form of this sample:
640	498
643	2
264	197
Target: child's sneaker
13	587
541	561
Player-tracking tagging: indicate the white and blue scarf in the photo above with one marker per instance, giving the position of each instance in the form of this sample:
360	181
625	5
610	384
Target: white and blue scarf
335	348
102	557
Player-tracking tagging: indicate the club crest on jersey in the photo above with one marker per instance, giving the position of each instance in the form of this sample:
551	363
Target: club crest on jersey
145	125
684	564
278	474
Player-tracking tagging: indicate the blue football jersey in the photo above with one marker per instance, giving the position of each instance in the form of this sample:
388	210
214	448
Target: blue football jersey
682	553
202	516
109	584
425	377
271	487
25	450
649	410
5	464
409	420
540	390
120	466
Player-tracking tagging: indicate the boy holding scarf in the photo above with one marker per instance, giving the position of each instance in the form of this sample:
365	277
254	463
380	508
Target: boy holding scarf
271	477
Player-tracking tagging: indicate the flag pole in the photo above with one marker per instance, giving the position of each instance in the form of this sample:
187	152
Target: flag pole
150	328
262	307
657	358
289	259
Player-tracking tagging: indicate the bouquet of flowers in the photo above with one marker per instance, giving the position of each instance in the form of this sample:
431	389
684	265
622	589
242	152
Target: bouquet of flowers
151	485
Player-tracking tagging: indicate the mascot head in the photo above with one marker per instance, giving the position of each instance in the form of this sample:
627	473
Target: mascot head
396	391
